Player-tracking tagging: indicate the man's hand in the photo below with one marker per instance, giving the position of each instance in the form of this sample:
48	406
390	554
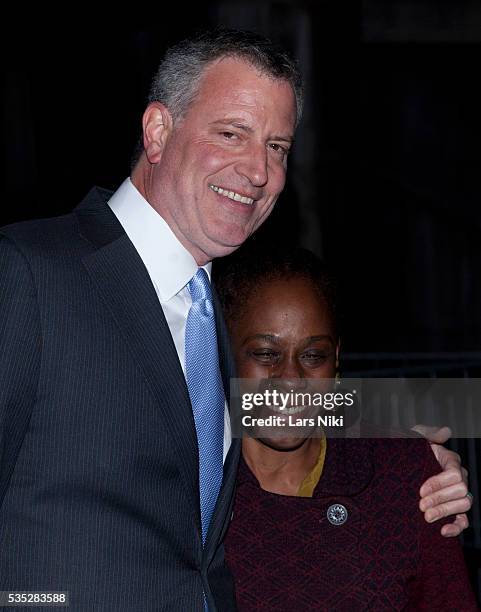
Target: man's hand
445	494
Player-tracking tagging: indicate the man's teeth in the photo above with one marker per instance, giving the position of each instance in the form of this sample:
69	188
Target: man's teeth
237	197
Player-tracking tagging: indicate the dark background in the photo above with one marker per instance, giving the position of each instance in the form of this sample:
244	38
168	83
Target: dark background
384	180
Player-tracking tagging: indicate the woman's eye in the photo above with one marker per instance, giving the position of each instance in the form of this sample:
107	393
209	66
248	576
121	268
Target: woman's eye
315	357
265	355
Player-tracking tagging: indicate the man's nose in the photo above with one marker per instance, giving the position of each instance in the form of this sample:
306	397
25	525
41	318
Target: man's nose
254	165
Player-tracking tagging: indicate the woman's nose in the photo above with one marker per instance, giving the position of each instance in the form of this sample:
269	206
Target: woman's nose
290	373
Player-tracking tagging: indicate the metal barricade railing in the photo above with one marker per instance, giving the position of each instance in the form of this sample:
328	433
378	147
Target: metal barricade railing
393	365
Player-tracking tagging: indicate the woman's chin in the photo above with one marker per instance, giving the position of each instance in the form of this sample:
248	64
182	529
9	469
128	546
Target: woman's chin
283	444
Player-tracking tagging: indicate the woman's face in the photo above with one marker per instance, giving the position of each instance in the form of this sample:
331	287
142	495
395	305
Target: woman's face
285	332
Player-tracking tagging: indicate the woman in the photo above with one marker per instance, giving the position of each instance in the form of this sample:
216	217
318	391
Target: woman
324	524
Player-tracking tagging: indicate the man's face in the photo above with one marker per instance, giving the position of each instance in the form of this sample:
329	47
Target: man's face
223	166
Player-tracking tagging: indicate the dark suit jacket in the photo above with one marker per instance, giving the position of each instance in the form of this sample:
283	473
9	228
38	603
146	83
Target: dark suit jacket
99	490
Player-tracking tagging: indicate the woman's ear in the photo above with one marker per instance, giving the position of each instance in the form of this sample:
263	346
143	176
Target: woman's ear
338	350
157	125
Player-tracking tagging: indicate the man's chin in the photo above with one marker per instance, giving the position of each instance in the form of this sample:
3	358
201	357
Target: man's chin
223	249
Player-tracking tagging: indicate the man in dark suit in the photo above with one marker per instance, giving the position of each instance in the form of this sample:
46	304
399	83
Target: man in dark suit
101	473
114	485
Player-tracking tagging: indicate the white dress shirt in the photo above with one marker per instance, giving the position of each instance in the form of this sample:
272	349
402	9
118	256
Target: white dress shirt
168	263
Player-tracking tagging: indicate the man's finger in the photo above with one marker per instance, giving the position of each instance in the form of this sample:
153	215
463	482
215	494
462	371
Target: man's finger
446	458
456	492
449	477
456	527
442	510
439	435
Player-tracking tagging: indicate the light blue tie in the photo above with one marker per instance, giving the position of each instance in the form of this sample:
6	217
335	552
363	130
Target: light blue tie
206	393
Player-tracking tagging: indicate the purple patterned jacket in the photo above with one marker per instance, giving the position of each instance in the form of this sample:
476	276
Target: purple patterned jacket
287	556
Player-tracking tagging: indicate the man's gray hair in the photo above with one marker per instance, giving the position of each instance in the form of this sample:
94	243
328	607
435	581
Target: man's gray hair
177	81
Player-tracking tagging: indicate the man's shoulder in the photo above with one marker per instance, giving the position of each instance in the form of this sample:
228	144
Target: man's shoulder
54	233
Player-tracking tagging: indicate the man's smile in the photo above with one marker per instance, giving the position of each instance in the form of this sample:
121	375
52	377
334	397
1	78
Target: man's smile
233	195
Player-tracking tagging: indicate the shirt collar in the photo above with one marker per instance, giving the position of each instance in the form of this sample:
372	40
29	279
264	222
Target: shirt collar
168	262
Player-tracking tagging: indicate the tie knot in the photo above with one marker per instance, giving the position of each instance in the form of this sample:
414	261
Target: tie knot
199	286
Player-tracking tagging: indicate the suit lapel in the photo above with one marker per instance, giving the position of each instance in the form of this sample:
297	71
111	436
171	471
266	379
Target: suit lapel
223	510
121	278
349	466
226	360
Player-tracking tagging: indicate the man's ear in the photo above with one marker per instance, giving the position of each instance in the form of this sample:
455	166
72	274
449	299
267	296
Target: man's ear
157	126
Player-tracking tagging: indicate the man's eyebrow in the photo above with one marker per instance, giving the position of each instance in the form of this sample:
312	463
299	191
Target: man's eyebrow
240	125
277	138
233	122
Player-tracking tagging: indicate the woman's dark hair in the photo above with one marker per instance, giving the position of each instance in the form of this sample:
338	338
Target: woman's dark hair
237	276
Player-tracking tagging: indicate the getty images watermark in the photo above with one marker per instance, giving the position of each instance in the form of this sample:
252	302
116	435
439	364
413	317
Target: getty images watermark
367	407
294	408
298	408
